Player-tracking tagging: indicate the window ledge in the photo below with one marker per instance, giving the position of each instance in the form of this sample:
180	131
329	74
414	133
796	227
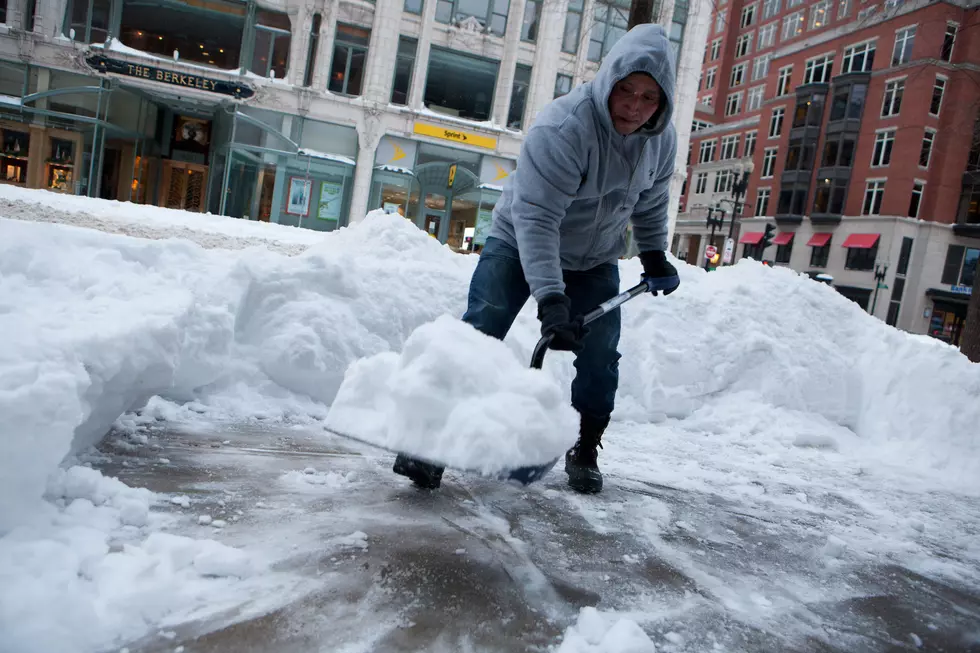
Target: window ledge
967	230
786	219
826	218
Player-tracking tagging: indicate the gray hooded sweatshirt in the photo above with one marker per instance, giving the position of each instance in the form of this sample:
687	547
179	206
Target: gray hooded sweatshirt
578	181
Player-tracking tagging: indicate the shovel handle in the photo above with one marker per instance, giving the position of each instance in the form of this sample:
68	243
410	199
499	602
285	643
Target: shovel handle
649	284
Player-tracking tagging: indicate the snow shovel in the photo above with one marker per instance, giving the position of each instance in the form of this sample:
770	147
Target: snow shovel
531	473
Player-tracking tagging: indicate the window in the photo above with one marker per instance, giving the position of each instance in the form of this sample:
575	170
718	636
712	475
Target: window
793	25
819	255
750	139
904	40
414	7
724	181
90	20
946	52
700	183
756	96
776	122
817	70
785	252
743	45
707	153
518	96
760	67
892	104
490	13
270	54
937	96
709	77
748	15
792	200
873	194
532	14
715	49
770	8
838	152
961	265
349	58
209	34
808	111
698	125
829	196
848	102
563	85
861	258
799	156
458	84
904	256
782	85
762	202
882	154
915	202
608	27
738	75
925	154
729	147
312	49
769	163
858	58
733	105
707	100
820	14
720	20
573	26
404	65
895	304
767	36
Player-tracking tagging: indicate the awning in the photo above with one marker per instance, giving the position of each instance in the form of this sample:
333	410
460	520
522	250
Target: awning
783	238
819	240
861	241
751	238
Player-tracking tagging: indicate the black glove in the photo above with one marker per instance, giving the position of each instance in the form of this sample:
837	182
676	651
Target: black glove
656	265
567	334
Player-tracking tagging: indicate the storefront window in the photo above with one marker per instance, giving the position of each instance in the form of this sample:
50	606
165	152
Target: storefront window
518	98
349	59
460	85
89	19
404	64
13	156
271	52
206	32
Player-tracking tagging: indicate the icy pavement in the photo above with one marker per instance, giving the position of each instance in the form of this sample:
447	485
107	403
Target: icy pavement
722	553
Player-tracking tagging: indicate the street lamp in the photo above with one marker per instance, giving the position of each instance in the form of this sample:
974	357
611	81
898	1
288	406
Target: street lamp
880	273
739	188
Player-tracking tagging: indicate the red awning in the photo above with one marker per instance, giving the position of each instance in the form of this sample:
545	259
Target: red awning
819	240
861	241
783	238
751	238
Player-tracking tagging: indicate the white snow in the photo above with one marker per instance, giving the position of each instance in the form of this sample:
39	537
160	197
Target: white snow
457	396
336	158
748	382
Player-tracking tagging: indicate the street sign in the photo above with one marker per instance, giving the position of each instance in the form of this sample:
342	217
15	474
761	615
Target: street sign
729	251
710	251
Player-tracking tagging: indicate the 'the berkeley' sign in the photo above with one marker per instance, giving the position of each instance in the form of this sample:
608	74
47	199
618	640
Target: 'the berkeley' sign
106	65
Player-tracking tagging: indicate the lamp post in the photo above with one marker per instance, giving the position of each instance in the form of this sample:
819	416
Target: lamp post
880	273
739	188
714	223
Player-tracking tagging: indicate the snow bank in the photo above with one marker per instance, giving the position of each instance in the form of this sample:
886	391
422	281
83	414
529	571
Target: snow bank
598	632
95	325
457	396
93	556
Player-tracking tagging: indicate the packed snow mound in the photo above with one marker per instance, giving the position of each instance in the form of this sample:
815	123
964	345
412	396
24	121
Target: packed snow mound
598	632
457	396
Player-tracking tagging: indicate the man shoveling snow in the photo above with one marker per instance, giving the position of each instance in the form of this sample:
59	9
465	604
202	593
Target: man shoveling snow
595	159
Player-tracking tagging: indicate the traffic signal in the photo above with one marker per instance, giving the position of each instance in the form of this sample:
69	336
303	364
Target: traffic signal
768	236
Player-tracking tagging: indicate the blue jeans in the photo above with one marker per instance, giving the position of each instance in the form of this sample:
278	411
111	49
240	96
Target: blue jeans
499	290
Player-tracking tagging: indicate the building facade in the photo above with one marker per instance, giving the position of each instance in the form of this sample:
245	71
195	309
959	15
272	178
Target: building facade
301	112
858	125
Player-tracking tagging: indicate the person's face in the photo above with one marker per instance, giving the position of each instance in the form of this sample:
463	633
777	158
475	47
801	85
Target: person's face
633	102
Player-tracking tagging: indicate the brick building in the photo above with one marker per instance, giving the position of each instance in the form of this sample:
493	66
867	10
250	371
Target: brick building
858	122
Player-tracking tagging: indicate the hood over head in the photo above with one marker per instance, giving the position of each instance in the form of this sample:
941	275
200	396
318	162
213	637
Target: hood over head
644	49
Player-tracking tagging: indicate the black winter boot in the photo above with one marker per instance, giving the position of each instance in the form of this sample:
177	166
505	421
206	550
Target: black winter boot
424	475
581	460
